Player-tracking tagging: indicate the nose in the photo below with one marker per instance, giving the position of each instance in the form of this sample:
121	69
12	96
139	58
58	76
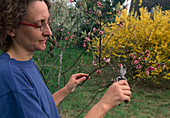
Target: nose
47	31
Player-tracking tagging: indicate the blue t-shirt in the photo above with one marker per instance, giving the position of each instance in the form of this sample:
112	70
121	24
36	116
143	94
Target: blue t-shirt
23	93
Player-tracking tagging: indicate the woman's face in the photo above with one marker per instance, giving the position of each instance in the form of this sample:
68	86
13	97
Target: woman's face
29	38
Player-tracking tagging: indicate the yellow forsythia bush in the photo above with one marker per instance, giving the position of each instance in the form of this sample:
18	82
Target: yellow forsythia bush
133	34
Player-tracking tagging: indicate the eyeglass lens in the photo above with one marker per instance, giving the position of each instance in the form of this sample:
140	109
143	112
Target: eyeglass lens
44	25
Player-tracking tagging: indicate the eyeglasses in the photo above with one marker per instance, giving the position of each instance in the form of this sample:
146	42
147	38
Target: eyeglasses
42	27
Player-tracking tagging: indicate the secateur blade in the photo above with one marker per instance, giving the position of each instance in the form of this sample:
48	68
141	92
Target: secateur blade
123	70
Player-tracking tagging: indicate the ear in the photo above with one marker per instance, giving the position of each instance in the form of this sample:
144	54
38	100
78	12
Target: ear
11	32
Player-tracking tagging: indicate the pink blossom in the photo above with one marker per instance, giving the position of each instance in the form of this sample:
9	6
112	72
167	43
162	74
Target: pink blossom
107	60
147	55
149	68
94	63
131	54
164	66
104	58
77	68
72	1
147	72
139	59
100	13
118	12
134	57
153	68
103	48
117	70
159	65
138	66
121	25
66	38
141	53
99	4
68	33
98	72
100	32
72	36
103	84
94	29
56	45
89	34
87	38
120	65
135	62
67	11
103	45
94	58
86	21
55	41
113	68
84	44
147	51
143	59
121	22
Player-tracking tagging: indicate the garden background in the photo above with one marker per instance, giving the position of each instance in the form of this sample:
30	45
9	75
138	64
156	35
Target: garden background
97	37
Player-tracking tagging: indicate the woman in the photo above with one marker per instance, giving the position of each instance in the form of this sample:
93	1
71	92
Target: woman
24	29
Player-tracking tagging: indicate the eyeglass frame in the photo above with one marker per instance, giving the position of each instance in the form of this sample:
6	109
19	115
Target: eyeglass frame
44	24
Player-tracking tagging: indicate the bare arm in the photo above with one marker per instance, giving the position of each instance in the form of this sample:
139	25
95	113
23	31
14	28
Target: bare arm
117	93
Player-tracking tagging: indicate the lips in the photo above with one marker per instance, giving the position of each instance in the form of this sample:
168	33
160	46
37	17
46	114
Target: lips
42	41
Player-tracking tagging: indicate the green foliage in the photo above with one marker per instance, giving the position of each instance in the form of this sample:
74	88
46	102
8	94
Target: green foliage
136	34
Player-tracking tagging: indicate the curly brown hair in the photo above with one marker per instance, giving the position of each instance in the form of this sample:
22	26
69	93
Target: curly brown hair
11	13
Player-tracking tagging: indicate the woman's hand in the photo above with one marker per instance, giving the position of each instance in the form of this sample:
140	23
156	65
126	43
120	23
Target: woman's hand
117	93
75	80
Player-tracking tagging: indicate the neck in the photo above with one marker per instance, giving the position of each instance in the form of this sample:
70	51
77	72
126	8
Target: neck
19	54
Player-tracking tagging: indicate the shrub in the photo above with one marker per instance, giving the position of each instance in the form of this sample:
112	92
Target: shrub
136	34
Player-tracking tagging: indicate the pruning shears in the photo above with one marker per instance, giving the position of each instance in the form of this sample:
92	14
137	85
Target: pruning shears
123	70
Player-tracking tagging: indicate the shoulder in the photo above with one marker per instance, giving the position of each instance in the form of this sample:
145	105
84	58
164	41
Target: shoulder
4	67
12	76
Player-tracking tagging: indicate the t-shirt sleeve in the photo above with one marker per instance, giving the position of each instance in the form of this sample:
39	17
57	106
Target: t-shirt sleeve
18	99
21	104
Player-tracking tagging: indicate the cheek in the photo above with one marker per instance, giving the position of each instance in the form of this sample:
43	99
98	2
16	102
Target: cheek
30	35
28	38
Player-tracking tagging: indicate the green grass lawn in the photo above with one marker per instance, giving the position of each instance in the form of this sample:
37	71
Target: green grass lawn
145	103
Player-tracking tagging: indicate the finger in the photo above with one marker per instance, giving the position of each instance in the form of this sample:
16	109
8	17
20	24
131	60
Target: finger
122	82
127	93
125	87
79	75
81	79
127	99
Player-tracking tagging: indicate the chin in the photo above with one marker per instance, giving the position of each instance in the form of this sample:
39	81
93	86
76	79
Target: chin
41	48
